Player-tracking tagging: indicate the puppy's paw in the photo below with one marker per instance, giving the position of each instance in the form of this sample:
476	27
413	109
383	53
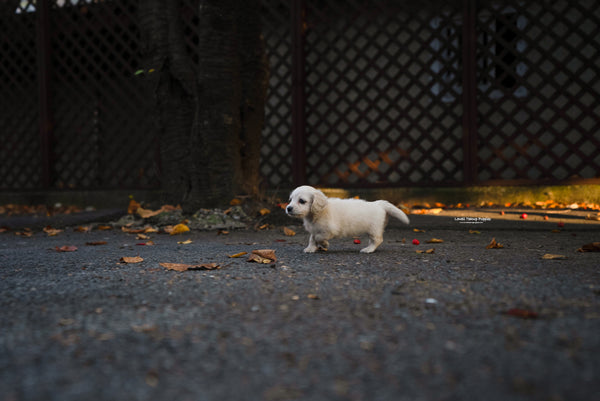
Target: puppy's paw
368	249
310	249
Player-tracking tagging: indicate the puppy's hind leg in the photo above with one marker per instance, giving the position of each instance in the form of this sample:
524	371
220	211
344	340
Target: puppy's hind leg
374	242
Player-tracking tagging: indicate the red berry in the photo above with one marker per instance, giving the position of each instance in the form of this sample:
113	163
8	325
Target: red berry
524	216
357	241
416	242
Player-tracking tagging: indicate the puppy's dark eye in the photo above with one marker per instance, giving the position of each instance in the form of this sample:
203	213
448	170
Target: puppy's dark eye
301	201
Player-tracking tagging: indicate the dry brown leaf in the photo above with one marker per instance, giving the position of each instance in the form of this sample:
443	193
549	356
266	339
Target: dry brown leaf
417	230
289	232
146	213
133	206
474	232
25	233
235	202
237	255
428	251
52	231
494	245
264	211
435	241
591	247
312	296
104	227
65	248
142	236
131	259
265	256
129	230
181	267
551	256
83	229
186	242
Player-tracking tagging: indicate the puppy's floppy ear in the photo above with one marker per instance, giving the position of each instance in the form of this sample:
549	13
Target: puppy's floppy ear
319	202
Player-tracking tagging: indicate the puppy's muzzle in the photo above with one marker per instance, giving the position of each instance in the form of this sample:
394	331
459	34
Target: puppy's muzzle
289	209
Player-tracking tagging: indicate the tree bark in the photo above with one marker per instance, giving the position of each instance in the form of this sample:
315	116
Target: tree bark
210	113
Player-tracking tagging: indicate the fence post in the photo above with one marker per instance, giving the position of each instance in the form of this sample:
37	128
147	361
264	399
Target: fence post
298	14
469	98
44	96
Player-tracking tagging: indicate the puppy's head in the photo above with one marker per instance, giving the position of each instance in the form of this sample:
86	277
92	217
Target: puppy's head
306	201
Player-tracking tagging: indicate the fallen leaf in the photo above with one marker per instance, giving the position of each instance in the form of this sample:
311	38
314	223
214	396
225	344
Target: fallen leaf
263	227
181	267
522	313
222	232
133	206
179	229
237	255
104	227
474	232
417	230
494	245
25	233
429	251
591	247
146	213
262	256
551	256
52	231
264	211
83	229
65	248
147	243
289	232
129	230
235	202
186	242
131	259
312	296
142	236
94	243
590	217
435	241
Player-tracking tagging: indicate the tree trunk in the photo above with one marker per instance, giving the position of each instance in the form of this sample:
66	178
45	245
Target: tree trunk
210	113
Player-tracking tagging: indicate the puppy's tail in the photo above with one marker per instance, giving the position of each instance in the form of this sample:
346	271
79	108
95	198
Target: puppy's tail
393	211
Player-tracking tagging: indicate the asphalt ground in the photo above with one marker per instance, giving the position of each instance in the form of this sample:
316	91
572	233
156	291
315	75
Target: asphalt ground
461	323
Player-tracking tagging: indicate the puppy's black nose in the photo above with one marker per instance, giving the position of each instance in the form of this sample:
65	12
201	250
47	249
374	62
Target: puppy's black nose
289	209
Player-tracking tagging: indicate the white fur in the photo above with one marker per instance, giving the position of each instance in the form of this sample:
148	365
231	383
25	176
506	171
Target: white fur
326	218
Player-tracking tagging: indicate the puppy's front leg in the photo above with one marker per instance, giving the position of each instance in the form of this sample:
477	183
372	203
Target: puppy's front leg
312	245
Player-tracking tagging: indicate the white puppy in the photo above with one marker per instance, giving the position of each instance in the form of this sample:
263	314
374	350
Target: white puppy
326	218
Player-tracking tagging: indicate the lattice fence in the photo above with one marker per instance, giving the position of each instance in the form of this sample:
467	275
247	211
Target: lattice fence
538	91
102	127
362	93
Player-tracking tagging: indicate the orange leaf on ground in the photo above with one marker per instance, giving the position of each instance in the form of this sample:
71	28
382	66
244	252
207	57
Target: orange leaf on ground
237	255
591	247
494	245
133	206
435	241
181	267
289	232
66	248
177	229
131	259
262	256
52	231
